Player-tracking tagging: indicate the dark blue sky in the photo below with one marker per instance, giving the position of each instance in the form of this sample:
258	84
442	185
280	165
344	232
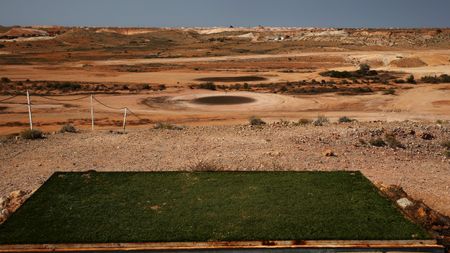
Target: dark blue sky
305	13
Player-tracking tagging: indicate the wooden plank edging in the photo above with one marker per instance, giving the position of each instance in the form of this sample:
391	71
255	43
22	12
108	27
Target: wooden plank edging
314	244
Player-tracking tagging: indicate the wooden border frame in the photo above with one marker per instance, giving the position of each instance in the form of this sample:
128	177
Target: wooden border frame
426	245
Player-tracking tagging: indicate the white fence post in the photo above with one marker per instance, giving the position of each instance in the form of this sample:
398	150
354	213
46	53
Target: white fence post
92	113
29	110
124	119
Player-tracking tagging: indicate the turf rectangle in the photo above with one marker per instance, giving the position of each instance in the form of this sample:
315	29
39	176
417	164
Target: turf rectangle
97	207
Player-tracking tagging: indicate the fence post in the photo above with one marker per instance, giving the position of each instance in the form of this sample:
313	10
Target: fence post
92	113
29	110
124	118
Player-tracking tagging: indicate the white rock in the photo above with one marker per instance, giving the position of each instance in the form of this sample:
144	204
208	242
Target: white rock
404	203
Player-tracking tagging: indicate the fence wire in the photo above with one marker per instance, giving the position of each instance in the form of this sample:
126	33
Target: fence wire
108	106
6	99
64	100
76	99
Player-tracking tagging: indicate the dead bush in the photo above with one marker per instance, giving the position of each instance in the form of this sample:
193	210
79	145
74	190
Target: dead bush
68	128
32	134
168	126
321	120
392	142
255	121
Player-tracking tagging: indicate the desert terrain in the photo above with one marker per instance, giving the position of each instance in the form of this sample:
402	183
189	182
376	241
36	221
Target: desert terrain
158	73
211	81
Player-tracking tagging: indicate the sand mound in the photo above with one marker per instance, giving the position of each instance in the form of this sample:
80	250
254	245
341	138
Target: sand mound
408	63
24	32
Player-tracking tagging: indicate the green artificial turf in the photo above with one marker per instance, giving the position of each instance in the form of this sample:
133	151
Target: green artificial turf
206	206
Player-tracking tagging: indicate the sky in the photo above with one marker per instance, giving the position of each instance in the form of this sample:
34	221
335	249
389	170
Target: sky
245	13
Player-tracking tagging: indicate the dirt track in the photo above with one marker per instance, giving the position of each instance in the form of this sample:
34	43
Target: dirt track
421	168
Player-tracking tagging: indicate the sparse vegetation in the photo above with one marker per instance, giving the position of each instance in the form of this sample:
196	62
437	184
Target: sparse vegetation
65	86
321	120
207	86
162	87
411	79
392	141
447	153
32	134
68	128
302	122
345	119
168	126
444	78
446	144
255	121
363	71
377	142
5	80
389	92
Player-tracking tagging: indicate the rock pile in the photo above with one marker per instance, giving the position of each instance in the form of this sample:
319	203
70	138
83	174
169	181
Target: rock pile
419	212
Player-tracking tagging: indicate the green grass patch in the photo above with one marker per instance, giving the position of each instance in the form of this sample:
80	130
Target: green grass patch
97	207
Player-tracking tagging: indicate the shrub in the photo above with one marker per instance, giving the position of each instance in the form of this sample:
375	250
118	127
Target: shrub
447	153
168	126
378	142
389	92
208	86
444	78
66	86
5	80
162	87
32	134
393	142
337	74
411	79
446	144
320	121
364	69
255	121
345	119
68	128
303	122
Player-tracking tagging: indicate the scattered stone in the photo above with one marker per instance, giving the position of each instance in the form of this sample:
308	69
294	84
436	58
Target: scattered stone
17	194
404	203
3	202
393	192
329	153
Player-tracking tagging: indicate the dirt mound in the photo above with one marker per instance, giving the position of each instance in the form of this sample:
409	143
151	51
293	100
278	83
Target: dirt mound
24	32
408	63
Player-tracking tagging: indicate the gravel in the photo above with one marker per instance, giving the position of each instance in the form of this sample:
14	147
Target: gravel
420	167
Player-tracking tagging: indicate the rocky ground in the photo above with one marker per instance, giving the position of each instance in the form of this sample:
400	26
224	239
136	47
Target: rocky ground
417	160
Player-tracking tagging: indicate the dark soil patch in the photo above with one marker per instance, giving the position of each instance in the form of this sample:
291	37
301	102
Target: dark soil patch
231	79
223	100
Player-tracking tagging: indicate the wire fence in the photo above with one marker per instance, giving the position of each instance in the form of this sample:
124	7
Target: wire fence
125	110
